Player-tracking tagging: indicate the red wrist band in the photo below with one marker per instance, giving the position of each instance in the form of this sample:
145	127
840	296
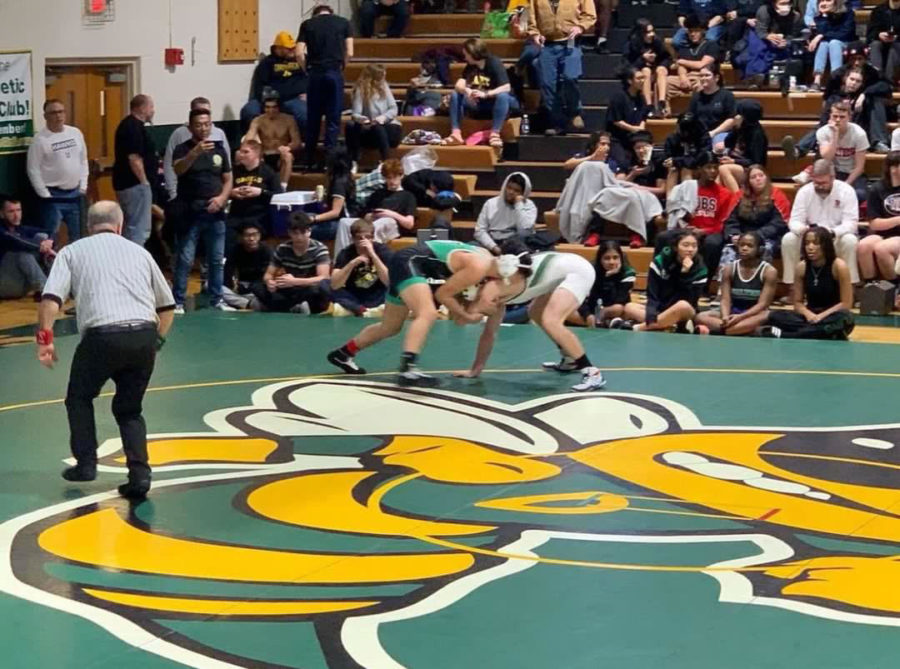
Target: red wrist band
44	337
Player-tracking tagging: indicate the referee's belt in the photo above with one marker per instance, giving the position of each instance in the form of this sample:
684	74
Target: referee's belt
126	326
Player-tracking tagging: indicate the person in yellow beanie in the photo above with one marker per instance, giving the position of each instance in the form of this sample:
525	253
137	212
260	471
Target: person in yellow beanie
278	74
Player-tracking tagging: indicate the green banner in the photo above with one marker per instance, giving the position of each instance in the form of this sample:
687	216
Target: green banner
16	106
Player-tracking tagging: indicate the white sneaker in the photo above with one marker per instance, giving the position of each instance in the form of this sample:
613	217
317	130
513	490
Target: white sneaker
801	178
374	312
339	312
221	306
592	379
179	310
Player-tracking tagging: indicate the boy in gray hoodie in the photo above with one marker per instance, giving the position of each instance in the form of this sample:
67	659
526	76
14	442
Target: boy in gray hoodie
510	214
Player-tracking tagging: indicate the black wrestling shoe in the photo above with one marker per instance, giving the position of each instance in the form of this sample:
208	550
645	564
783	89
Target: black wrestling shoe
345	362
80	473
134	489
414	378
564	366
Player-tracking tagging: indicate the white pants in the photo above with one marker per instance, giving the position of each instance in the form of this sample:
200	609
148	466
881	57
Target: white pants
844	246
385	231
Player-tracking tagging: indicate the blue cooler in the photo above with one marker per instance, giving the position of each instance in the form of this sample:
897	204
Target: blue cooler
284	204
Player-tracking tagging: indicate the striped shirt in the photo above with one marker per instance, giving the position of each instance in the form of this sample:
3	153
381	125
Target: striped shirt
302	266
111	279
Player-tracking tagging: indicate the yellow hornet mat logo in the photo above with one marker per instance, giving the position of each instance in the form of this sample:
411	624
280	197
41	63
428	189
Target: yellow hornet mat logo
344	517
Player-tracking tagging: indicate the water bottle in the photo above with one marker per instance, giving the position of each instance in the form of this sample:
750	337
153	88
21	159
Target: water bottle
792	83
524	128
598	311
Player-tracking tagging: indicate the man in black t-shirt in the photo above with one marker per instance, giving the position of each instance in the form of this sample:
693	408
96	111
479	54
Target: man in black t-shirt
627	114
135	168
369	10
324	44
245	267
483	91
698	53
359	280
254	185
204	185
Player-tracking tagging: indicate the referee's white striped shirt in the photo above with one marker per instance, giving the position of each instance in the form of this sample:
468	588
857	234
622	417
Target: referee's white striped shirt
111	279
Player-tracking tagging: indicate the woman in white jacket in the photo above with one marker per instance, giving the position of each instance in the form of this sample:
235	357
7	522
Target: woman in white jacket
510	214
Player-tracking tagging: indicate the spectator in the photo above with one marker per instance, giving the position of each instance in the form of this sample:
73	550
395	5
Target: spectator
245	268
483	91
647	53
325	45
204	186
554	27
433	189
609	303
684	147
21	251
374	122
279	74
279	136
604	9
698	52
180	135
829	204
675	282
763	210
714	106
748	288
878	251
390	208
647	172
710	13
297	279
254	185
359	280
510	214
823	299
845	144
745	145
777	24
626	114
340	196
739	19
598	149
135	168
882	33
835	27
58	171
369	10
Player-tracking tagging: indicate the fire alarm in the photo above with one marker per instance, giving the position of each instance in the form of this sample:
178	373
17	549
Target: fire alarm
174	57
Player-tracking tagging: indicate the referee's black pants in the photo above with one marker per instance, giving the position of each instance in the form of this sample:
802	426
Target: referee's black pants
126	357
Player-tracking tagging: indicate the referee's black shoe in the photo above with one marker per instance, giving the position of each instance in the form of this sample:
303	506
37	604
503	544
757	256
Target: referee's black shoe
80	473
134	489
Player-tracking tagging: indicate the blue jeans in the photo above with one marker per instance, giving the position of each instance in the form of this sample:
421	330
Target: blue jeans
826	52
497	109
529	60
20	273
369	11
212	228
62	205
136	203
680	38
325	98
560	68
295	107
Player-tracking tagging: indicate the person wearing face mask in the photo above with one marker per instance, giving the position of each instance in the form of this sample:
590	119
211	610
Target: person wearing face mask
882	34
776	25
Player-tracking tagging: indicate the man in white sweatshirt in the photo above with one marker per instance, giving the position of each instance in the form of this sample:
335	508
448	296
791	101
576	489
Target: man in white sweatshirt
828	203
510	214
58	171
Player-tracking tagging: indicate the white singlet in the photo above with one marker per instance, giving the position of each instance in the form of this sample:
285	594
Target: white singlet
553	270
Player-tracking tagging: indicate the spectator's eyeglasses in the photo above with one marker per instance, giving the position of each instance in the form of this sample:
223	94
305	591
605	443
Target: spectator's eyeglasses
364	236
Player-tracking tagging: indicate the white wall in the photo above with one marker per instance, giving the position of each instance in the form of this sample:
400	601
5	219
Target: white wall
54	29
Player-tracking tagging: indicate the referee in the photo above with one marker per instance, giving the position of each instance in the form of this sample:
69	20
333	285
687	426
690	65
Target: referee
124	308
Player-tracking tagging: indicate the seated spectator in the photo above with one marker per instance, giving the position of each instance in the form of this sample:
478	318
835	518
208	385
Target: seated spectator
433	189
369	10
279	136
359	280
835	28
483	91
280	73
878	251
626	114
340	197
823	299
739	20
714	106
297	279
23	251
826	203
675	281
683	149
180	135
745	145
692	56
845	144
391	209
763	210
374	121
609	303
510	214
647	172
245	269
254	185
748	288
597	149
777	24
711	14
647	53
881	34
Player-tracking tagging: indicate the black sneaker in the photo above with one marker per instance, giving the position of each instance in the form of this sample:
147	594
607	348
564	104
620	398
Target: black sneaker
80	473
417	379
627	325
346	363
564	366
789	147
770	331
616	323
134	489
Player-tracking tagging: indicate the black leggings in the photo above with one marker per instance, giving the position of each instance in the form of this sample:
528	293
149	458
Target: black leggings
382	137
838	325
